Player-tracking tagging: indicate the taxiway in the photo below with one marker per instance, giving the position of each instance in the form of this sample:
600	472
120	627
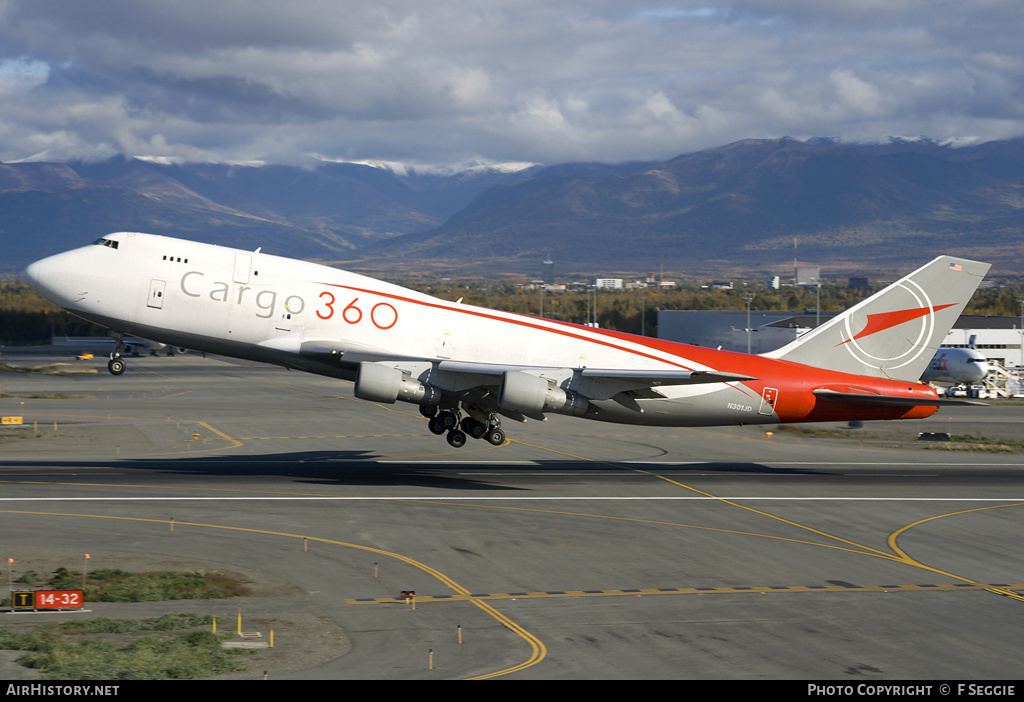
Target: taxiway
578	550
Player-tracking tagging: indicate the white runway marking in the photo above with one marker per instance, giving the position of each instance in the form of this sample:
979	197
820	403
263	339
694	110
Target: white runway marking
328	498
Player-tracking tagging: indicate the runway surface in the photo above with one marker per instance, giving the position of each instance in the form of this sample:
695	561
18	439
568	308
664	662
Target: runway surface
578	550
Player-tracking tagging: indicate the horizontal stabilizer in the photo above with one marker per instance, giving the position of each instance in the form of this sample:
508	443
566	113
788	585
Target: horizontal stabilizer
854	398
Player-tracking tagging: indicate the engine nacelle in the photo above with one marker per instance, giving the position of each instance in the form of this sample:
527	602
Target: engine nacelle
379	383
530	394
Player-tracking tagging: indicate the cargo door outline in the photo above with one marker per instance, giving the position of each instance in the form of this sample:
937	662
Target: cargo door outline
769	398
444	345
156	294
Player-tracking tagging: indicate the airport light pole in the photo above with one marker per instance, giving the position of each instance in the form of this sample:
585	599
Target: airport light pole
1022	331
817	303
643	311
749	298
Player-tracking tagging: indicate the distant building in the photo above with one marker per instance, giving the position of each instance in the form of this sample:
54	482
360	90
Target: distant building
999	339
548	272
541	285
612	283
807	275
859	281
726	329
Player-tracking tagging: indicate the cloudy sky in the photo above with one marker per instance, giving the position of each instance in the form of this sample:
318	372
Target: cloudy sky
458	81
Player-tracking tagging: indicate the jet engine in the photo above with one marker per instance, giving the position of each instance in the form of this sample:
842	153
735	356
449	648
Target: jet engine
380	383
531	394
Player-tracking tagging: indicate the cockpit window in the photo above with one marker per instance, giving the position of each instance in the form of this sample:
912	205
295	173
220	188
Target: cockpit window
105	242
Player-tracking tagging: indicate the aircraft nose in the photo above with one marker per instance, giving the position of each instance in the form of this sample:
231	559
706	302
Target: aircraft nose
48	277
38	273
34	272
981	368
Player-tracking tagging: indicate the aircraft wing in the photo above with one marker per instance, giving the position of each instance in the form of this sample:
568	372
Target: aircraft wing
596	383
620	380
380	374
854	398
637	378
665	377
621	385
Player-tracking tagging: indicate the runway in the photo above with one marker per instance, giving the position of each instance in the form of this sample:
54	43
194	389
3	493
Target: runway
578	550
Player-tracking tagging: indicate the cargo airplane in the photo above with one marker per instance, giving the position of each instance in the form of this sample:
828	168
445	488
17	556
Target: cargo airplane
468	367
957	366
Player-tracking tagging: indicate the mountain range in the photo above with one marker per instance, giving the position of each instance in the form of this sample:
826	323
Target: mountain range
735	209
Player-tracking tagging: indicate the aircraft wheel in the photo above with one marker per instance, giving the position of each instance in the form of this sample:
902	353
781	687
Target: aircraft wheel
448	419
428	411
436	426
474	428
495	436
116	366
457	438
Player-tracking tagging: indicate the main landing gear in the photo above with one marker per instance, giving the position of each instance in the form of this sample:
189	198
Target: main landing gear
458	428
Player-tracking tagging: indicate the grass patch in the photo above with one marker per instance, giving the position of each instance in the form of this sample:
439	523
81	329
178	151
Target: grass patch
50	369
971	442
53	396
103	625
816	432
957	442
178	650
112	585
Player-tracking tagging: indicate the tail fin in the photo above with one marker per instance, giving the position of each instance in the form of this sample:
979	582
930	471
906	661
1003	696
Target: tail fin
895	332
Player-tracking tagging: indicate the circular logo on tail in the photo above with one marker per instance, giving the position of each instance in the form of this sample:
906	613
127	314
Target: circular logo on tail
893	339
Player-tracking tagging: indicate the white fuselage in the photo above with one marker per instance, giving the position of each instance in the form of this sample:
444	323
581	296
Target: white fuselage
181	292
324	320
956	366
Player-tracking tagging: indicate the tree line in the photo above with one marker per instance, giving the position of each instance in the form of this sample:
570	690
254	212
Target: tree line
27	319
635	311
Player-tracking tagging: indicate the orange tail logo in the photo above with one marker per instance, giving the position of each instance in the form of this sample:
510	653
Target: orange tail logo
887	320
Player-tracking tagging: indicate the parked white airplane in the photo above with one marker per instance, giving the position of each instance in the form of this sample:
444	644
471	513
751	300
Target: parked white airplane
466	367
956	366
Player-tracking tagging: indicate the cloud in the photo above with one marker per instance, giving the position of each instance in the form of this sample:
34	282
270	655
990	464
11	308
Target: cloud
460	80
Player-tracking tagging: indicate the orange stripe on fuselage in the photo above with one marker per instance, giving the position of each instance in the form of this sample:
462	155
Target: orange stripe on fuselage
568	328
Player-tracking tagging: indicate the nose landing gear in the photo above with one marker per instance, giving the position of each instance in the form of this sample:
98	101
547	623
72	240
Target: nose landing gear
116	364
